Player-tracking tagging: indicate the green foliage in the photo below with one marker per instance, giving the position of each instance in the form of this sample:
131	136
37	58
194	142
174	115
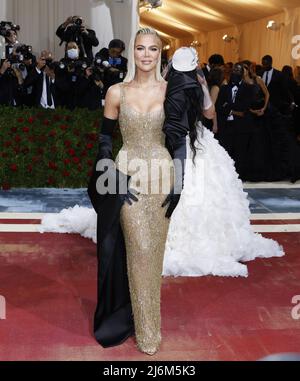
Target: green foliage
48	148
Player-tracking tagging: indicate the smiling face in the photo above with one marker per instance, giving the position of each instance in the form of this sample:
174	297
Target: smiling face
147	52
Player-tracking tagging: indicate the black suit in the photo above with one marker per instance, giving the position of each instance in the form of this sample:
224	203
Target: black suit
71	87
235	135
11	93
92	97
35	80
280	98
84	41
8	50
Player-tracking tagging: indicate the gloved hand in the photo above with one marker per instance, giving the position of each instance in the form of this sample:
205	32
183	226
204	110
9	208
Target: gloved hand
126	193
171	200
130	196
179	157
104	152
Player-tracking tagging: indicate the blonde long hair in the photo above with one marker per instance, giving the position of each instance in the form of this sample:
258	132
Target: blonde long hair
131	62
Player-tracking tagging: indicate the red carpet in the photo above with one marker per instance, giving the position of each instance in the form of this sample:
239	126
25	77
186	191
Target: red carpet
49	282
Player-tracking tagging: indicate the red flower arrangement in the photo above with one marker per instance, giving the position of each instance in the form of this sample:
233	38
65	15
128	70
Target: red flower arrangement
72	152
41	148
52	165
13	167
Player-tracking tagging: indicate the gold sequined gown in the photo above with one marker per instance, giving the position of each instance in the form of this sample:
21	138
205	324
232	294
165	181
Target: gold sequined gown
143	223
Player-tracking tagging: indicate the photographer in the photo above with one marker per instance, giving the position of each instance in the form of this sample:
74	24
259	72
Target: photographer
113	64
74	29
25	61
10	32
72	78
11	40
11	85
41	81
19	55
93	95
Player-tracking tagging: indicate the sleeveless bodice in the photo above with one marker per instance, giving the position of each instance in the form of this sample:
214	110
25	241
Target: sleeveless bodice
143	138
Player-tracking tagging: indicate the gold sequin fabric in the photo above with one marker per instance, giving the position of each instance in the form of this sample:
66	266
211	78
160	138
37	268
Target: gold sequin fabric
144	224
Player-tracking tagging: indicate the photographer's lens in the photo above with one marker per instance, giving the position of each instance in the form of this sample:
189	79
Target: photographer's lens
78	22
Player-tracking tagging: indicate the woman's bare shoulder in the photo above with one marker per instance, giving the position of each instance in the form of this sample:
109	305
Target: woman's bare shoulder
114	90
113	94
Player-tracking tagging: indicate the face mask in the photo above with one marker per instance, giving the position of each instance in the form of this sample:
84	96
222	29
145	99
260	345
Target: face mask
235	78
73	54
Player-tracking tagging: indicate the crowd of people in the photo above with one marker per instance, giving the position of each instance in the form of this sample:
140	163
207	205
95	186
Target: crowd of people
257	107
257	116
78	80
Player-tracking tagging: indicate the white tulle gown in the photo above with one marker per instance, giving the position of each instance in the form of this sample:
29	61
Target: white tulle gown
210	231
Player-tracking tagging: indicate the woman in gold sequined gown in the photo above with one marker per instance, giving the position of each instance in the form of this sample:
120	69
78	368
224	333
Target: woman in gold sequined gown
132	235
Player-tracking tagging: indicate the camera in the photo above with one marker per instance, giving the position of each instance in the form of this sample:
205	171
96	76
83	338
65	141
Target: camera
98	61
16	64
77	67
6	27
97	74
76	26
78	22
24	51
54	65
97	69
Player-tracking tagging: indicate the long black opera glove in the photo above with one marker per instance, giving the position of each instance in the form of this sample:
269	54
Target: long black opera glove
179	157
119	180
176	129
